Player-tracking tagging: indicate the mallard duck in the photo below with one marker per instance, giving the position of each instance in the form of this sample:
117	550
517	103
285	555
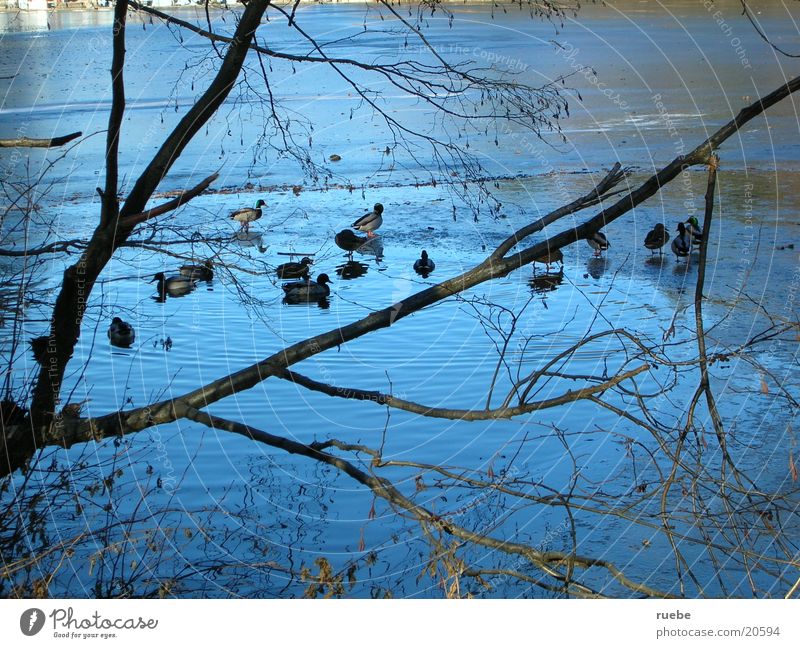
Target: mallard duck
172	286
598	242
248	215
308	291
656	238
424	265
121	334
550	257
693	227
202	272
370	221
294	269
682	244
349	241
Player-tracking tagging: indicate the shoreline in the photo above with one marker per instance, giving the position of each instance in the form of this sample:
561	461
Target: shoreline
95	5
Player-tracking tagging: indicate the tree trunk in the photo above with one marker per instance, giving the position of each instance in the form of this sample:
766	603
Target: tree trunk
80	278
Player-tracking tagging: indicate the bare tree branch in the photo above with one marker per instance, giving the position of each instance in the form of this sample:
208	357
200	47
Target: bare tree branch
551	562
129	222
27	142
505	412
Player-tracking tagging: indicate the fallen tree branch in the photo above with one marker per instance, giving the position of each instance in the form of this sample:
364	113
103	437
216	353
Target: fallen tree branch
29	142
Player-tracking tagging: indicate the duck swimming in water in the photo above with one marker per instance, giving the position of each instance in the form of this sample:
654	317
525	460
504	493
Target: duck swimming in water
656	238
294	269
308	291
370	221
424	265
248	214
204	272
121	334
173	286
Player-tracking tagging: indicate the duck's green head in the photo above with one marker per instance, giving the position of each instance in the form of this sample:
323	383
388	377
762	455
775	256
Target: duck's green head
378	208
260	203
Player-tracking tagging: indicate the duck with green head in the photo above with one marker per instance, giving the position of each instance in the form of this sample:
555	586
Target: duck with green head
248	214
598	242
370	221
307	291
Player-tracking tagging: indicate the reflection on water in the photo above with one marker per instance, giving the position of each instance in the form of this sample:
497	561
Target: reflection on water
352	270
322	302
657	260
372	247
597	266
547	282
250	239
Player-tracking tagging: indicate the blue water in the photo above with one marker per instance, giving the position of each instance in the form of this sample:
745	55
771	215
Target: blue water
250	503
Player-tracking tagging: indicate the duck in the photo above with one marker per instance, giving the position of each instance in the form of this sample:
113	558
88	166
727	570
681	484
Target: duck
201	272
294	269
682	244
550	257
370	221
599	242
248	214
308	291
656	238
349	241
693	227
424	265
172	286
121	334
